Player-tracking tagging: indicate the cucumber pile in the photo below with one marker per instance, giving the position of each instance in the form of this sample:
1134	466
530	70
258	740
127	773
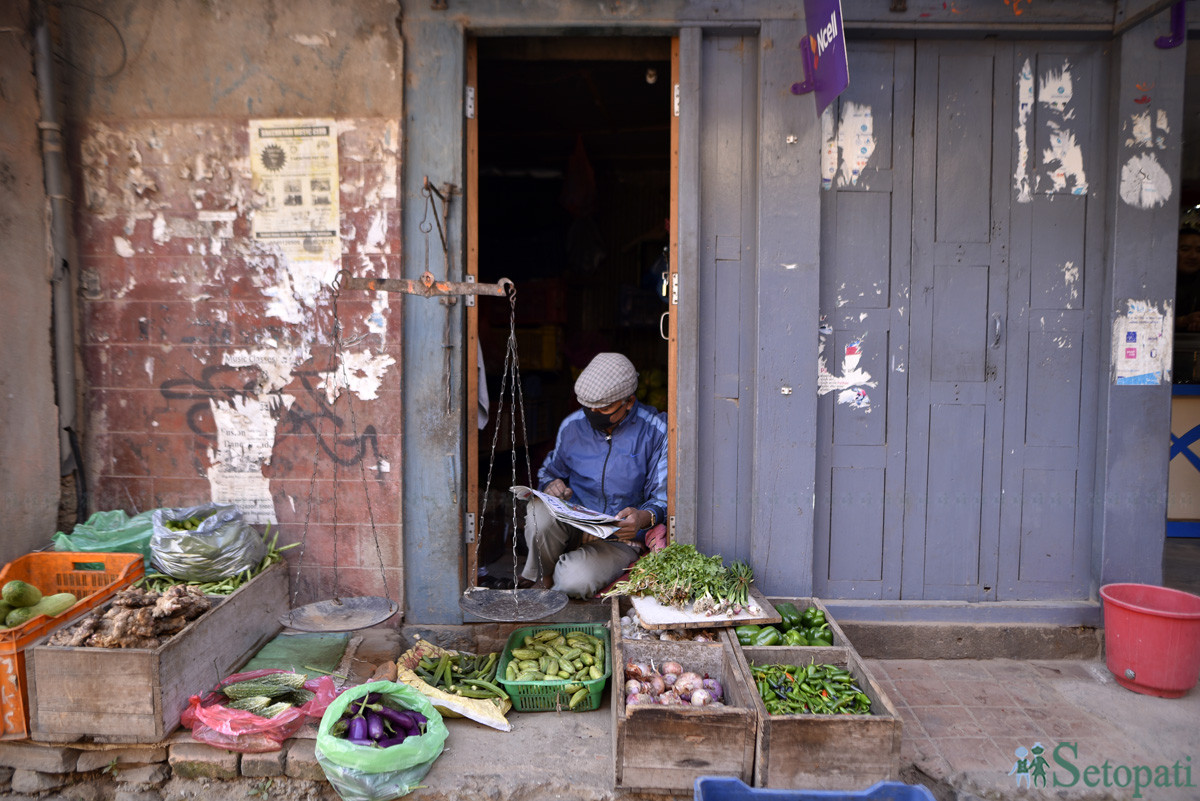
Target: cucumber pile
21	602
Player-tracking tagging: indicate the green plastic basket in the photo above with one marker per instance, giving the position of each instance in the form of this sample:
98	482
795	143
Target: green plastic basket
548	696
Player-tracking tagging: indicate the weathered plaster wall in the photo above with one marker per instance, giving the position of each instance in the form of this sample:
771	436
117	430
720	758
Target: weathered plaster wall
29	481
210	364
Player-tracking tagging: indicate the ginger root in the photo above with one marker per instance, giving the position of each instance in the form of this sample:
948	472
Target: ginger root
136	619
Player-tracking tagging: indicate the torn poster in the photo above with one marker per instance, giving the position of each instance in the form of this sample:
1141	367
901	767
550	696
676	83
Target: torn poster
852	384
1141	344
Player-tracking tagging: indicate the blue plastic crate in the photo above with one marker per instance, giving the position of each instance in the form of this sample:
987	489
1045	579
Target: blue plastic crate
725	788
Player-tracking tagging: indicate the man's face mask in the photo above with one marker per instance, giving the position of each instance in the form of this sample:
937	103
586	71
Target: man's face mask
602	419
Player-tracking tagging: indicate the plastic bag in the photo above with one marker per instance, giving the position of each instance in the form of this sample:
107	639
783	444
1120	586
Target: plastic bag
370	773
222	545
489	712
213	723
110	532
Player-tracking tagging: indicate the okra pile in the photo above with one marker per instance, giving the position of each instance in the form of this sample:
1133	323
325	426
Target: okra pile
809	690
467	675
552	655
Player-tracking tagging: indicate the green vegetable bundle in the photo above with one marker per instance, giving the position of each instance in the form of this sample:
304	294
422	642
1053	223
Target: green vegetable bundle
679	576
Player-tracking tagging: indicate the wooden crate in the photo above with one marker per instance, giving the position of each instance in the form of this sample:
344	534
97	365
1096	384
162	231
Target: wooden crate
824	752
118	695
665	748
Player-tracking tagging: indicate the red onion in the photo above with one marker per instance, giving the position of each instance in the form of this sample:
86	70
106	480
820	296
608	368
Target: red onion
634	699
633	686
669	679
656	685
701	697
637	670
685	683
714	688
672	668
670	698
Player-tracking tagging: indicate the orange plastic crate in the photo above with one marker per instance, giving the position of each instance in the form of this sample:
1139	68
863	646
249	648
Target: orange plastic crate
92	577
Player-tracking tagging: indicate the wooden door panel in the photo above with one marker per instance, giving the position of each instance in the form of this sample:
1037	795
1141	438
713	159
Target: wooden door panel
865	255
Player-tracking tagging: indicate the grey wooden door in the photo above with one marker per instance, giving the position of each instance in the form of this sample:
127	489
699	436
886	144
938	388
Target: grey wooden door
956	438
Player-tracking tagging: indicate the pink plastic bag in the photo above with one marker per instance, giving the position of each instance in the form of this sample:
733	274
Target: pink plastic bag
235	730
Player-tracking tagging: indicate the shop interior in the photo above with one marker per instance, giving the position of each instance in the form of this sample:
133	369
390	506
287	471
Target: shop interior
574	168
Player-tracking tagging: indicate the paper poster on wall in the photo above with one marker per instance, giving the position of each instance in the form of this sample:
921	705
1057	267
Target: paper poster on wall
294	164
1141	344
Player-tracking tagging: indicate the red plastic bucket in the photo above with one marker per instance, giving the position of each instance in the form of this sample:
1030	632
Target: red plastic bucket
1152	638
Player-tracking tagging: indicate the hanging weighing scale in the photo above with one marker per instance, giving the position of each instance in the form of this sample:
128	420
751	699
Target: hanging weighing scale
352	613
510	605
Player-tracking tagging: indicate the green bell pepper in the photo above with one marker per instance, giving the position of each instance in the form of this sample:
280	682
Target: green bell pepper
818	636
790	615
812	617
745	634
794	637
768	635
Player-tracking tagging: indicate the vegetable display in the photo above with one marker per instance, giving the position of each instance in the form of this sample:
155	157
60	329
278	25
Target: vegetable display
670	684
159	582
371	721
269	695
810	690
680	576
467	675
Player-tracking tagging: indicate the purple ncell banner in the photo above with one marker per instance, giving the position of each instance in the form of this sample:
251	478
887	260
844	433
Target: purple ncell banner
827	43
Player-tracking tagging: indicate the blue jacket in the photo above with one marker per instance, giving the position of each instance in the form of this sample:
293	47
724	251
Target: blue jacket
610	472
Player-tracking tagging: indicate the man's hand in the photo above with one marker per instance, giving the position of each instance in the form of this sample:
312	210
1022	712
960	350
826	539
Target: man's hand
632	521
559	489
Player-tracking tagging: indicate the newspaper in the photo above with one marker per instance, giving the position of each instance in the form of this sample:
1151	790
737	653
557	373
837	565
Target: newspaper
598	524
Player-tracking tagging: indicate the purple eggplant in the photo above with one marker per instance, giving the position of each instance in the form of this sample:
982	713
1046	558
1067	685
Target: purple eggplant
388	742
357	729
360	741
374	725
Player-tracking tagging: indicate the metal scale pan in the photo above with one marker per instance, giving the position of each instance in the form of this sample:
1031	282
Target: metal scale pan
511	605
340	614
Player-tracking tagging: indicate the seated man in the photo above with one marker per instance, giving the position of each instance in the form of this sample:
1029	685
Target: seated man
610	456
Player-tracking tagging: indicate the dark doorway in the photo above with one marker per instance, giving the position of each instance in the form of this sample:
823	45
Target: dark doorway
574	168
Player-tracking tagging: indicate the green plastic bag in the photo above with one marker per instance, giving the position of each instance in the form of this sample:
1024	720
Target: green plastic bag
110	532
369	773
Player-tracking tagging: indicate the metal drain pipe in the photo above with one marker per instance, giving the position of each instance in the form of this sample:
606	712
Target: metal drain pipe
54	174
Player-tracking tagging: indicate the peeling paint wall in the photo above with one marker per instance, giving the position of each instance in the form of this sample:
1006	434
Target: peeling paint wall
212	368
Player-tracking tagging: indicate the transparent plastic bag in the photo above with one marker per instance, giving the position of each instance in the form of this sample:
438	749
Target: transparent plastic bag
215	724
110	532
221	545
370	773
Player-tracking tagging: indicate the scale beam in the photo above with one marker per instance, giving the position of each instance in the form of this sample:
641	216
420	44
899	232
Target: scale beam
426	286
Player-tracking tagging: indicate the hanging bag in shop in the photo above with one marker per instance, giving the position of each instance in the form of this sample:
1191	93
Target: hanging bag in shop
206	543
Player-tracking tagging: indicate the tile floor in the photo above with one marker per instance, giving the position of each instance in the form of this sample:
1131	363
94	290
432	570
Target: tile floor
967	722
